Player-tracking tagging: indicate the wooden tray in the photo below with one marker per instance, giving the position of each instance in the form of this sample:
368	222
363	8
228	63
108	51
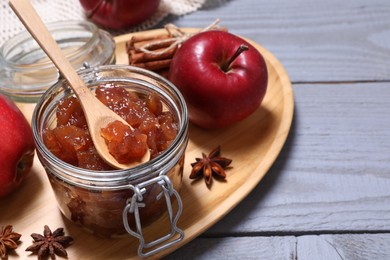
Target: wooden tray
253	144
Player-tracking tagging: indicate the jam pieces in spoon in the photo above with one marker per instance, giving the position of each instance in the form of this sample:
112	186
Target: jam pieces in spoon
154	128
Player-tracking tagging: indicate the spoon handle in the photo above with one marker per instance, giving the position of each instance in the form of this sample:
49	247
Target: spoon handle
23	9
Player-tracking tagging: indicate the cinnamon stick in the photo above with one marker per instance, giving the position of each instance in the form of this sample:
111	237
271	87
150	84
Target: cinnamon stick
140	57
154	65
154	44
157	42
159	60
142	38
155	52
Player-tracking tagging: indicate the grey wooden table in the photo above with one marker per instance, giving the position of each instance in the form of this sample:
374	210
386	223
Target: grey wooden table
328	194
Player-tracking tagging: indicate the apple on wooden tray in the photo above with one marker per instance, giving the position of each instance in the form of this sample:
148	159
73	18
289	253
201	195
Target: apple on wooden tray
222	77
17	146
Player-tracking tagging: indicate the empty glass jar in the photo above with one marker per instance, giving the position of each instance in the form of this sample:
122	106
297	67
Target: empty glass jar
25	70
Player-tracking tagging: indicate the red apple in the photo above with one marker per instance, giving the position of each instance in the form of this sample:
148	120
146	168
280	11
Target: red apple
16	146
222	77
119	14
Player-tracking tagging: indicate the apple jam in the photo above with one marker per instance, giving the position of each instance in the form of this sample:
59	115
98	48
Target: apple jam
153	128
88	191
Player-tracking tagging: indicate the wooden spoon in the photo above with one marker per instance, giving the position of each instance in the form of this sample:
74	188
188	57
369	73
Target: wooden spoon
98	116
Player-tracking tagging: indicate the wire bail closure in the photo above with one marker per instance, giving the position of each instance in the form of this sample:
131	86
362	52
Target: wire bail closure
135	202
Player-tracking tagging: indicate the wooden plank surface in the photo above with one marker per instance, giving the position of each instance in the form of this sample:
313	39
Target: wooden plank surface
319	247
249	248
333	173
329	186
316	41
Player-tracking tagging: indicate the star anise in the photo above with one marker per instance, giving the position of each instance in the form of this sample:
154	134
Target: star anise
8	240
50	243
210	165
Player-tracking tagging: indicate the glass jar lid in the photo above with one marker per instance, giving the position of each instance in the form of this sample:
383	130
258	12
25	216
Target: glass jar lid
25	70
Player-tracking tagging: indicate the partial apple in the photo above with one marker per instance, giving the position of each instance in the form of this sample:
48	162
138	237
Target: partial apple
16	146
119	14
222	77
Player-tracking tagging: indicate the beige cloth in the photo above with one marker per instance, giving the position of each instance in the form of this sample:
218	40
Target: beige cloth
63	10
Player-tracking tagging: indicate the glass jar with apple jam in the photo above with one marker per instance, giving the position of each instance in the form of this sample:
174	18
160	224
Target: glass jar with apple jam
25	70
112	202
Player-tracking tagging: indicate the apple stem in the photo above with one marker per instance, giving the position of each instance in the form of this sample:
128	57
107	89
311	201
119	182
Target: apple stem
239	50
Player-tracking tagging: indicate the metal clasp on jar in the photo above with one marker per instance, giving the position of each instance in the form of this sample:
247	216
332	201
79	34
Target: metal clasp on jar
134	203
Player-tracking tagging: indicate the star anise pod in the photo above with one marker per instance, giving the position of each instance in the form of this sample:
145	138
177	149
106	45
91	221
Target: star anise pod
210	165
50	243
8	240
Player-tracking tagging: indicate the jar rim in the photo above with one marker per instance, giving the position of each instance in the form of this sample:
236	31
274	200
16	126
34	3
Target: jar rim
53	27
160	162
27	72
